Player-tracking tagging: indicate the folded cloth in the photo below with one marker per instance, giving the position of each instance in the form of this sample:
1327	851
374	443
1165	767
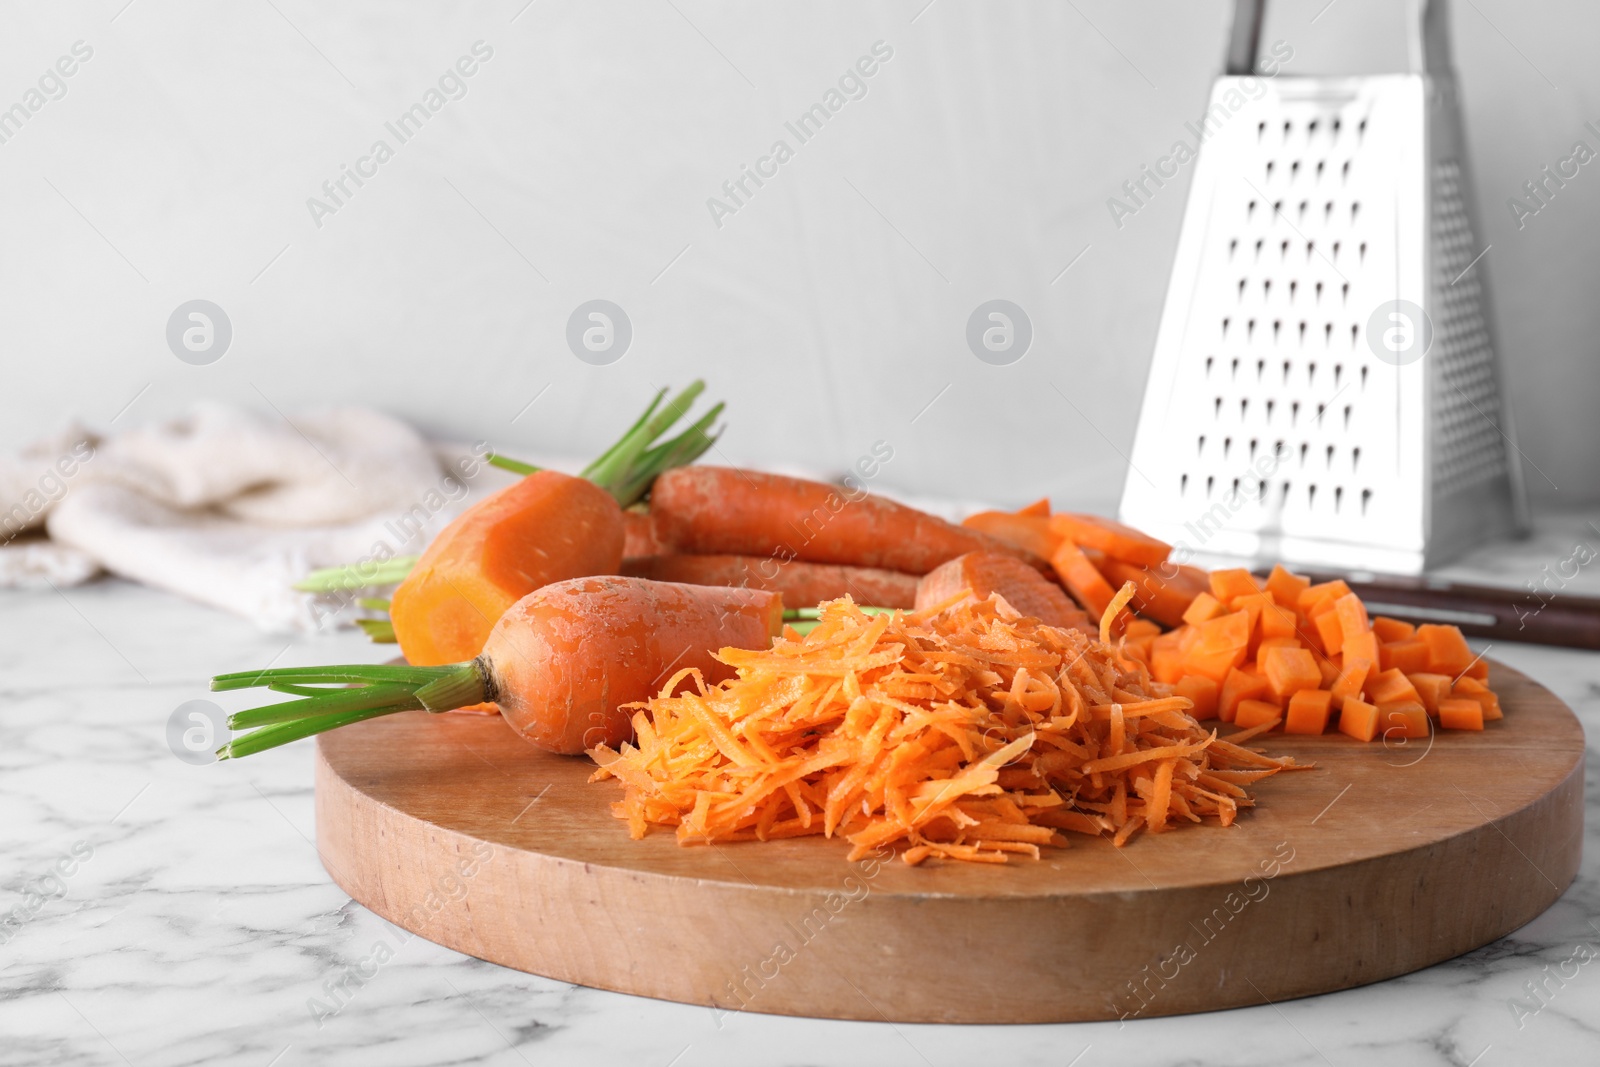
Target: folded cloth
229	506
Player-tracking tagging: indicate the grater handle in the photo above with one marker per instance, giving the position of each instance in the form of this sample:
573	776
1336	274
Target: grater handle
1245	39
1427	36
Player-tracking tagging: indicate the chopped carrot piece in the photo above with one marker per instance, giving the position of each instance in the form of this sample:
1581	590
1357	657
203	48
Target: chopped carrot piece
1447	649
1408	656
1431	689
1031	533
1316	594
1201	692
1157	596
1277	622
1390	630
1308	712
1404	718
1286	587
1460	713
1240	685
1039	508
1359	719
1226	632
1166	657
1082	578
1363	646
1277	642
1140	628
1352	616
1352	676
1236	581
1392	686
1257	713
1329	666
1329	630
1476	690
1478	668
1213	665
1203	608
1289	670
1111	537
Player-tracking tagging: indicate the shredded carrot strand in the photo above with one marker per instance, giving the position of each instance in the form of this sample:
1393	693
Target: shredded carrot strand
964	732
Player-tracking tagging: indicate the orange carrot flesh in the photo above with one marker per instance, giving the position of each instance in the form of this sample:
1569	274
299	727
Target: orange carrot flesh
546	528
959	734
721	511
1082	578
1111	537
988	573
802	584
1029	532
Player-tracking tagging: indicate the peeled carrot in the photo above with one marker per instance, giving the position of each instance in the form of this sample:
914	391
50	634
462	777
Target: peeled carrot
802	584
1156	595
560	663
987	573
721	510
1082	578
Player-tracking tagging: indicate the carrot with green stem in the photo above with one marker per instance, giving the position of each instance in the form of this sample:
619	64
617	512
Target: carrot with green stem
560	663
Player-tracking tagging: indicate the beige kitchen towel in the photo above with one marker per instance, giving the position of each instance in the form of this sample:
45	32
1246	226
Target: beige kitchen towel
230	506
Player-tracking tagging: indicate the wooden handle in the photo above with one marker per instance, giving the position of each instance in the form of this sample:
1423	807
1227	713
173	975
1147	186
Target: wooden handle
1481	610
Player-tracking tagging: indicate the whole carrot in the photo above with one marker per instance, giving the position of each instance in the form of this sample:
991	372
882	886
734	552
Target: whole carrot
560	663
546	528
721	510
802	584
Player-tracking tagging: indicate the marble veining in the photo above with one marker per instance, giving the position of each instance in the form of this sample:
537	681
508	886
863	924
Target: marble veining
165	913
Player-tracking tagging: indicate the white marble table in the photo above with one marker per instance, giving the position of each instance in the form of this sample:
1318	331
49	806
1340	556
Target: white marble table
201	927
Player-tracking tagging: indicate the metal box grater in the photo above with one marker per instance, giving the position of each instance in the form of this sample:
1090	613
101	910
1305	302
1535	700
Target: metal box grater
1288	414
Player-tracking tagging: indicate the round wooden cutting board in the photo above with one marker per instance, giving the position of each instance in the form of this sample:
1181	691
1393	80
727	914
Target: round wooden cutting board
1380	861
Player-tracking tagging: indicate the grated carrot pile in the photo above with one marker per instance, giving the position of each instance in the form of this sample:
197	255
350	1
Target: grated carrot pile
966	732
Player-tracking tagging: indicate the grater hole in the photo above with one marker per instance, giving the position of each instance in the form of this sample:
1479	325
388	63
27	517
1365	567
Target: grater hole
1236	367
1277	207
1337	124
1200	445
1327	211
1363	377
1233	246
1346	420
1259	242
1225	321
1330	457
1183	484
1261	365
1344	172
1338	372
1287	126
1302	333
1311	494
1244	407
1293	285
1285	372
1354	331
1322	164
1311	373
1366	498
1363	251
1294	170
1303	205
1261	129
1284	494
1216	411
1355	209
1283	249
1210	481
1322	409
1250	210
1249	329
1311	246
1270	405
1338	496
1327	333
1235	487
1209	360
1319	292
1294	409
1304	448
1277	326
1311	128
1336	246
1270	165
1240	297
1253	444
1355	457
1266	288
1344	294
1361	128
1227	446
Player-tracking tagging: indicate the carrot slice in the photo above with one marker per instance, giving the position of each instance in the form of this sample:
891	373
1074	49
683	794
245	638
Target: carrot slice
1460	713
1111	537
1082	578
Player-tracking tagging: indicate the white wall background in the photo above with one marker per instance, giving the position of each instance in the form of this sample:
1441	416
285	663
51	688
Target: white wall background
829	312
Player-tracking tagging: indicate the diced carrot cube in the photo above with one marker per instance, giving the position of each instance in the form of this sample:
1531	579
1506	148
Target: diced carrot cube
1329	630
1138	628
1392	686
1202	692
1082	579
1213	665
1408	656
1277	622
1286	587
1308	712
1362	646
1472	688
1479	669
1277	642
1352	615
1166	657
1391	630
1251	604
1235	581
1111	537
1138	647
1240	685
1203	608
1447	649
1257	713
1316	594
1289	670
1431	689
1224	632
1404	718
1359	719
1329	666
1352	676
1460	713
